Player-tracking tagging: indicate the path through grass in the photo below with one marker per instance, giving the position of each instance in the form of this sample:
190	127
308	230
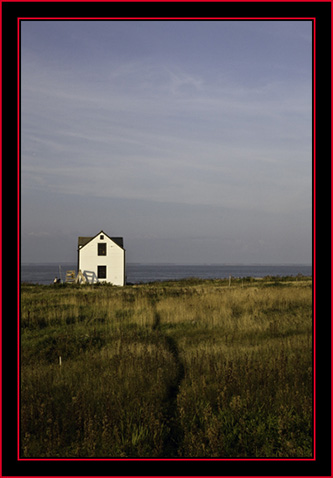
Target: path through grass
183	369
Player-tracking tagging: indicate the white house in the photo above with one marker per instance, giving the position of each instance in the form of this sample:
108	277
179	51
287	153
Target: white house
102	259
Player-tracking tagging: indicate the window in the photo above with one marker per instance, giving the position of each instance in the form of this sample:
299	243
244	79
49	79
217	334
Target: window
101	237
101	272
102	248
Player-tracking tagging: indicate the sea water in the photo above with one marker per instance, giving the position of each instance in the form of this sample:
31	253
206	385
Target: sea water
143	273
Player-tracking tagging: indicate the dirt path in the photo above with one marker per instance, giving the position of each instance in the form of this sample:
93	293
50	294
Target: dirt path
174	438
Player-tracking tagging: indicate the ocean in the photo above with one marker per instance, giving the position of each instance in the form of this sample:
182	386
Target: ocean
143	273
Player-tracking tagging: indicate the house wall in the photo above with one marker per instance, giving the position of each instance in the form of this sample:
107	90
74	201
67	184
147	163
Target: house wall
89	260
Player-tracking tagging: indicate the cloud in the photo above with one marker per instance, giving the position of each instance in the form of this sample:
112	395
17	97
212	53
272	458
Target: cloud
190	131
39	234
145	129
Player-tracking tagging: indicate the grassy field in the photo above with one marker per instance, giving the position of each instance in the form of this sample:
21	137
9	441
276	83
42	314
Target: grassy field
176	369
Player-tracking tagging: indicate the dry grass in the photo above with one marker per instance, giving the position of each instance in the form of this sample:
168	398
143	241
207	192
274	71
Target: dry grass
167	370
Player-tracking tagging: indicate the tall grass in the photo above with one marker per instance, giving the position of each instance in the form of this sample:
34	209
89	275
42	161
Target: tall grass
184	369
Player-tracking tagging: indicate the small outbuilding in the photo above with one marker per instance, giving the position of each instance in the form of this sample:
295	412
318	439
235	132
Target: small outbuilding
102	259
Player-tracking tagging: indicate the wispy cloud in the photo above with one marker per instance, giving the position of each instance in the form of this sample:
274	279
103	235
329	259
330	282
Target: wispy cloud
121	137
214	126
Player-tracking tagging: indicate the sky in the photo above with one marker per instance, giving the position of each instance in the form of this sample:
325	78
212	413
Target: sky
190	139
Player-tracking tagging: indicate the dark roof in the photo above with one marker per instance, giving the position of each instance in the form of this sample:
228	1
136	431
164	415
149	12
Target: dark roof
118	240
83	240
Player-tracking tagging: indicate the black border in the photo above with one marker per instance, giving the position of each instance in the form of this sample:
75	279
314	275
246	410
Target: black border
322	13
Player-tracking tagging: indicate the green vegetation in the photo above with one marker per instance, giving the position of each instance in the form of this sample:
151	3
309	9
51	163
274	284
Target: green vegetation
174	369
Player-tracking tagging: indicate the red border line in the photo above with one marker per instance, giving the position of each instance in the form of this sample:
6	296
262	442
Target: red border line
331	241
314	235
1	411
167	459
18	232
164	18
313	19
169	1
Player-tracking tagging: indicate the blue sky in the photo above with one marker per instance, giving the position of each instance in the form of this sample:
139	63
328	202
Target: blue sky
191	139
